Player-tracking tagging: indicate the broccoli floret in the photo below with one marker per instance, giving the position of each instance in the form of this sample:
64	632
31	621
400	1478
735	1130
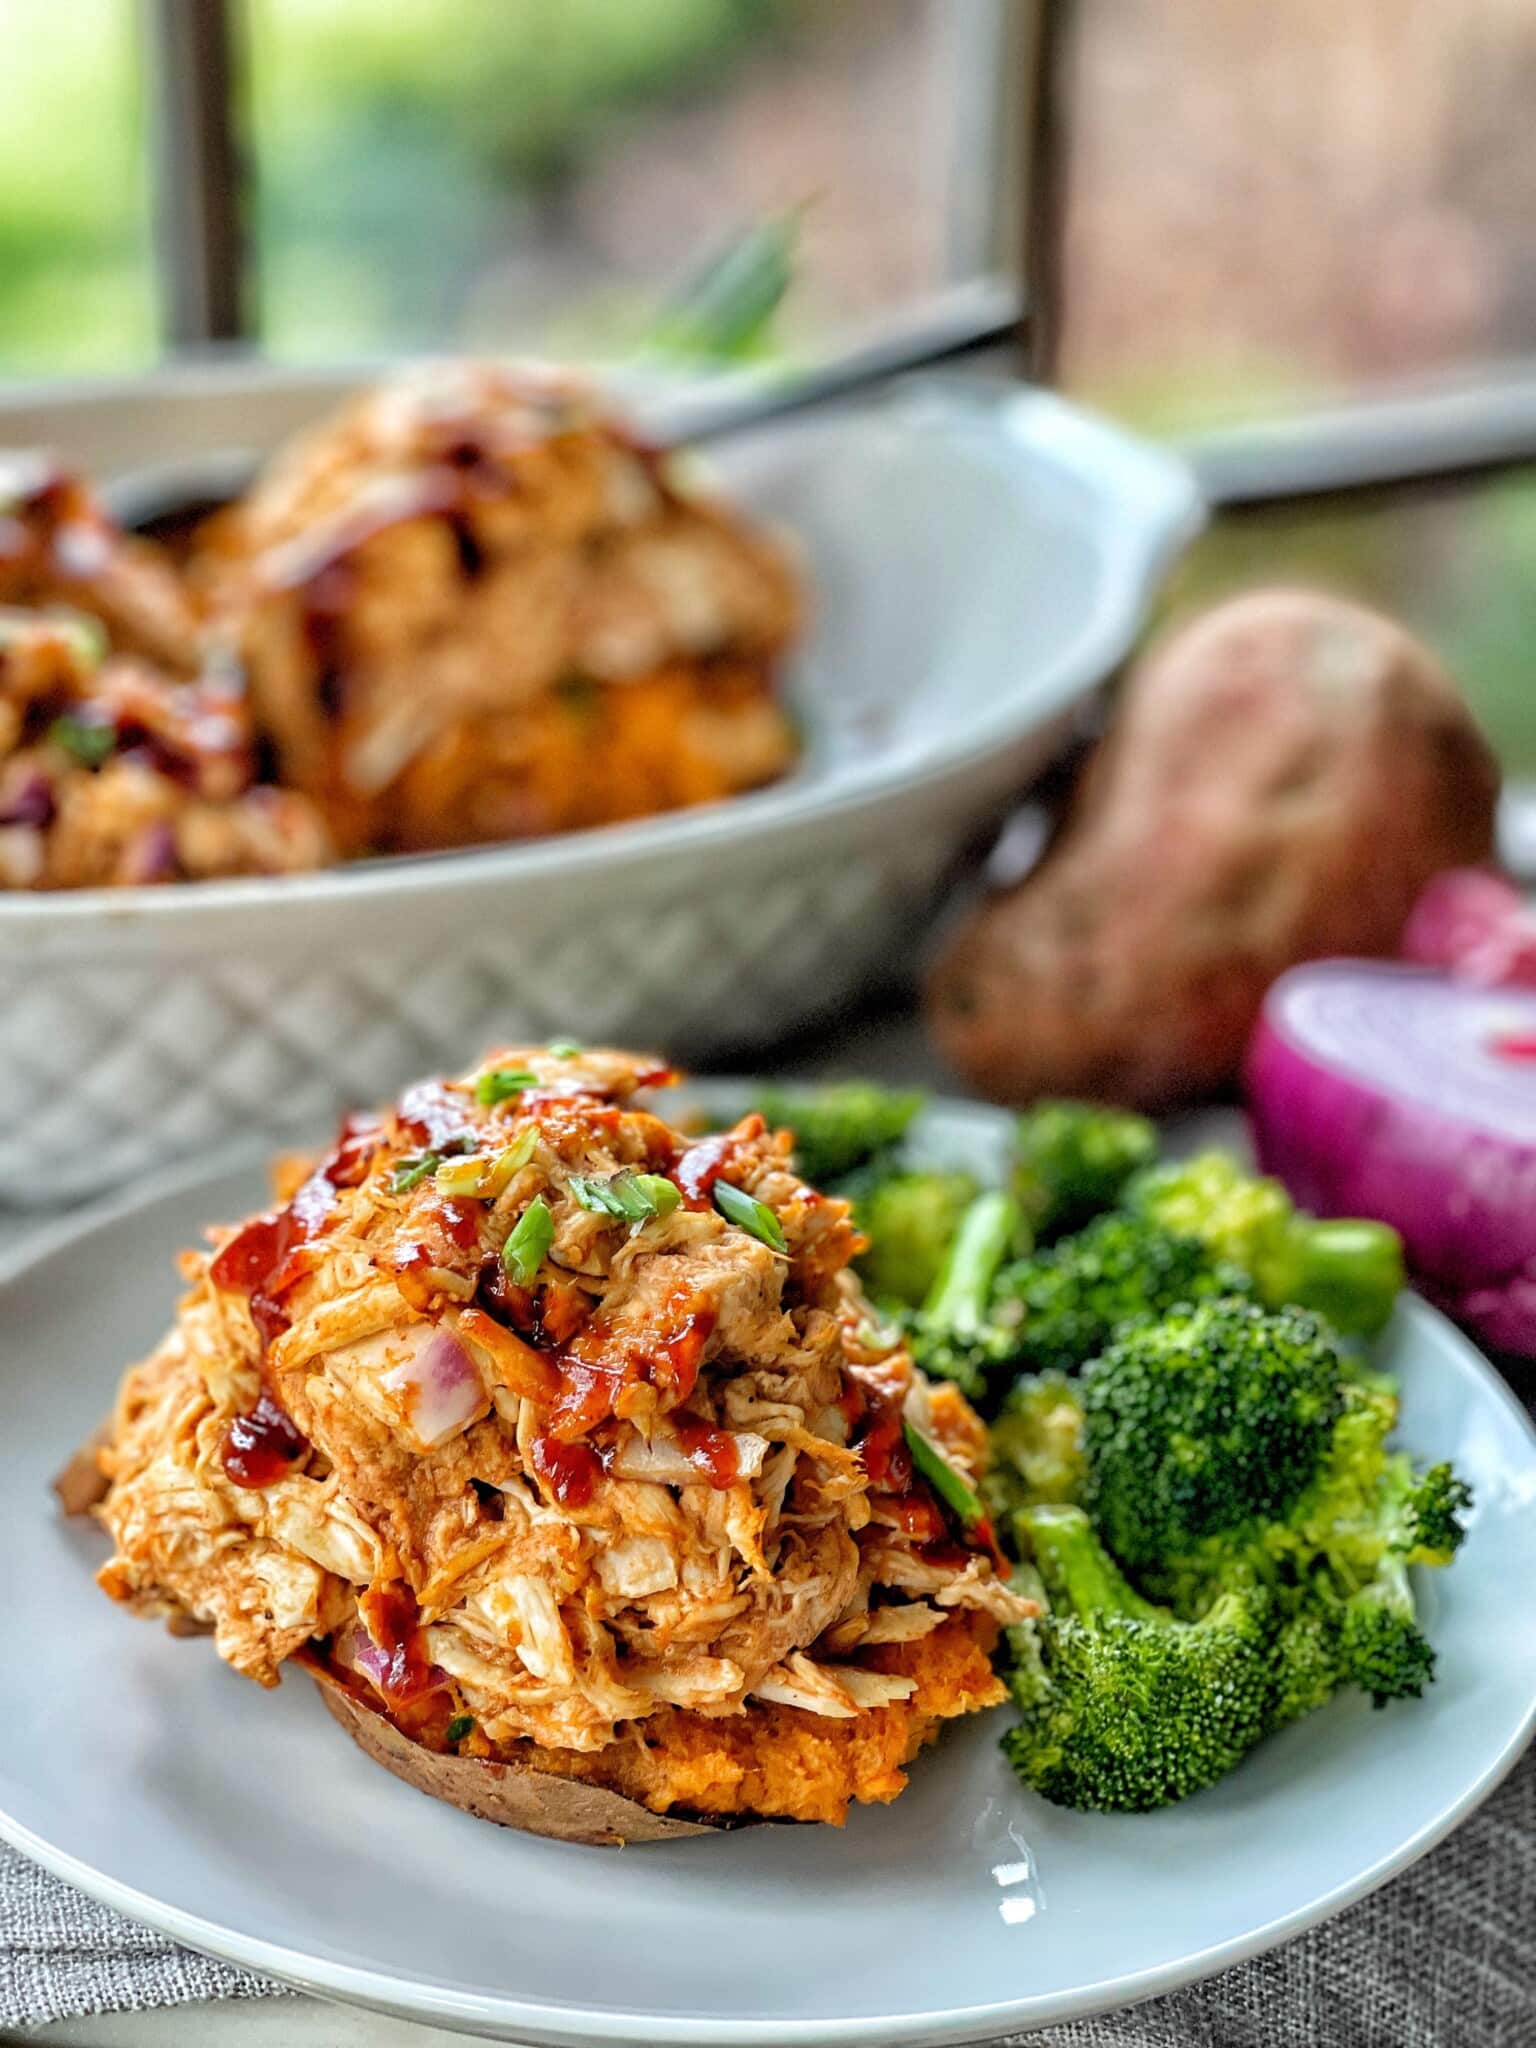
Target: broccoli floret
1382	1649
1307	1663
1209	1420
1343	1552
959	1333
1037	1448
1073	1160
1124	1708
910	1216
842	1126
1369	1503
1337	1562
1349	1270
1078	1292
1429	1512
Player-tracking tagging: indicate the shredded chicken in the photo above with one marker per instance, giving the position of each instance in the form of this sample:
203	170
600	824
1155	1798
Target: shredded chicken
117	764
501	1418
112	773
60	549
471	608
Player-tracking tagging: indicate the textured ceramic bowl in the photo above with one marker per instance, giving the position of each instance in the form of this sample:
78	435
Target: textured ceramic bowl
982	558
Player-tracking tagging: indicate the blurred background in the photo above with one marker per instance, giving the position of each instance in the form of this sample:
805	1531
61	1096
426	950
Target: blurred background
1301	240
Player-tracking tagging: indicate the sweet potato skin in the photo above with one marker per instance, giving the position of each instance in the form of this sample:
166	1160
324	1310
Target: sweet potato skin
564	1809
704	1774
1283	776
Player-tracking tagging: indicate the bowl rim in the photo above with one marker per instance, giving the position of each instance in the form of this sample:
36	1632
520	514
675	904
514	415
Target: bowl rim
1149	507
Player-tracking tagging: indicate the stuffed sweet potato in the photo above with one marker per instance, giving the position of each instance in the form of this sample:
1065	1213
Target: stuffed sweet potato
564	1452
472	607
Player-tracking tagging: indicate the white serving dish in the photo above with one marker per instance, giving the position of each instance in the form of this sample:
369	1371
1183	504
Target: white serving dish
982	557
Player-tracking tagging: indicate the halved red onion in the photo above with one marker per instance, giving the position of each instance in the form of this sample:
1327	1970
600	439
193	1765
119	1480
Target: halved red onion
438	1388
1378	1089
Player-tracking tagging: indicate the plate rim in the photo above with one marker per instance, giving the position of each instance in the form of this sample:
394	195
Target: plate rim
502	2017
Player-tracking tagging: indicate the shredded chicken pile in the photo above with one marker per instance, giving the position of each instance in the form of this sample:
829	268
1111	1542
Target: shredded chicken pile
518	1418
115	765
471	608
60	549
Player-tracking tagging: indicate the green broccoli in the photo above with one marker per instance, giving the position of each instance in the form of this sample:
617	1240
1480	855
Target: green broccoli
910	1216
1037	1448
1342	1554
1073	1160
1077	1292
841	1126
1349	1269
1368	1502
1307	1666
959	1333
1336	1563
1205	1422
1382	1649
1124	1708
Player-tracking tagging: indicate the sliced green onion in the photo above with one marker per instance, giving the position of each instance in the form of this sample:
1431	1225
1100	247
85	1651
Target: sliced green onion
952	1489
873	1333
749	1214
566	1048
411	1171
484	1177
512	1160
662	1194
499	1084
88	634
89	743
523	1252
631	1197
462	1176
460	1726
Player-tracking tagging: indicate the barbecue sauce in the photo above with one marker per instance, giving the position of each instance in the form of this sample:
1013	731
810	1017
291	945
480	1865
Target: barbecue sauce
261	1445
711	1450
710	1160
261	1261
570	1471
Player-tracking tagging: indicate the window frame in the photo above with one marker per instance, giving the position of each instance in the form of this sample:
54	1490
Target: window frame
1011	69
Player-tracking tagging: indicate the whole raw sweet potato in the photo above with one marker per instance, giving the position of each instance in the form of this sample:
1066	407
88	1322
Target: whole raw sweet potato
1283	776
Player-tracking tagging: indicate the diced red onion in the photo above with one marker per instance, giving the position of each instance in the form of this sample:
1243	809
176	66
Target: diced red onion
1390	1091
152	855
30	802
1476	926
439	1389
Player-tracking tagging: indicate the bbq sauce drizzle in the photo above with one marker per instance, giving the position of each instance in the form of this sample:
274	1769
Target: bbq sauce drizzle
261	1261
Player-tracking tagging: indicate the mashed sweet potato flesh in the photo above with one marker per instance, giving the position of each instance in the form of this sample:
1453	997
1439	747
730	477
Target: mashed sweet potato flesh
781	1763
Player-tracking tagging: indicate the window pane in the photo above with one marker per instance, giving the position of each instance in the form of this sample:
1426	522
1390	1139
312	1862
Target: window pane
516	173
76	290
1272	203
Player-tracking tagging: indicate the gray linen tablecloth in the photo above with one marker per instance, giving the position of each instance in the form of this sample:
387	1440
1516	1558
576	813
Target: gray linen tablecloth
1443	1957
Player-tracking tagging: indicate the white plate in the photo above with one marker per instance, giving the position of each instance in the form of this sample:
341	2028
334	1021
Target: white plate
240	1822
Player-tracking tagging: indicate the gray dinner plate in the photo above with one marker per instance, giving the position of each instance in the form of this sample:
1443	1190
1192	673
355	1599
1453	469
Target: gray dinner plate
240	1822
